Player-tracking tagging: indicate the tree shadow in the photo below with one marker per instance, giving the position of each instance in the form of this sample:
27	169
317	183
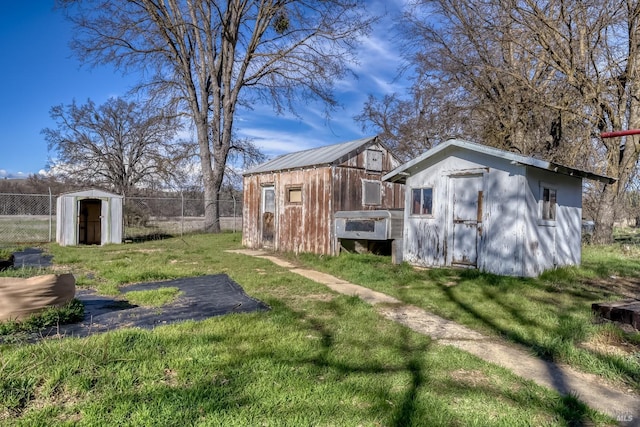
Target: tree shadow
141	238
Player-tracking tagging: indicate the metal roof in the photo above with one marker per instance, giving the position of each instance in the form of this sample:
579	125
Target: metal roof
91	192
401	173
322	156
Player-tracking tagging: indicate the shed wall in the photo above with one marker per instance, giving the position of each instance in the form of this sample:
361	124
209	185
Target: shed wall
512	240
111	227
309	226
300	227
556	243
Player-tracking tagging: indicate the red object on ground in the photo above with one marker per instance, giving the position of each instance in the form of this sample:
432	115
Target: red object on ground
620	133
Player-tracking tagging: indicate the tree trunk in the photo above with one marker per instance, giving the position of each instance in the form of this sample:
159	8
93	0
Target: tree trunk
606	215
211	211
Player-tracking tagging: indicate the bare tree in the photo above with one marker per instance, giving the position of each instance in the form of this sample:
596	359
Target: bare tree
213	56
117	145
540	77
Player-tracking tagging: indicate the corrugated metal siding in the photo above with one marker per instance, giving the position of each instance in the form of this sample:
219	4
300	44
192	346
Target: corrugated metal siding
318	212
348	191
115	222
66	221
513	241
308	226
251	230
558	244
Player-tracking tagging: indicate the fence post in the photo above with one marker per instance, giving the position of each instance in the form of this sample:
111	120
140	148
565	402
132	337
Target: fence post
182	214
233	196
50	214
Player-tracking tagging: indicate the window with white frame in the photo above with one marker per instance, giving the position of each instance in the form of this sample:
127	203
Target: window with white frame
422	201
371	192
549	200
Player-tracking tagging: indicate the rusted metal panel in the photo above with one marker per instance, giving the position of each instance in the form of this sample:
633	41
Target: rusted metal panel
308	224
348	194
363	158
251	217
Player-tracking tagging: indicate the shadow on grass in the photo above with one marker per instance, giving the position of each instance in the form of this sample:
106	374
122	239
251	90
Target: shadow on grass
324	363
147	237
568	407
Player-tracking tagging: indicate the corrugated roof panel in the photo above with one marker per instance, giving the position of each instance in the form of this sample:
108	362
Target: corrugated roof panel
313	157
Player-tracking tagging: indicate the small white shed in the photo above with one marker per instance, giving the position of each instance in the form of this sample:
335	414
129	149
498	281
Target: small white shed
90	217
475	206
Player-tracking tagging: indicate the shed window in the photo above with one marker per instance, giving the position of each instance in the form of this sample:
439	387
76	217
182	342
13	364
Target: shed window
422	201
371	192
549	199
373	159
294	194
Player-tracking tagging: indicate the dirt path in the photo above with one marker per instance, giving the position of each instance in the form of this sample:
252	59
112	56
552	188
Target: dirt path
622	405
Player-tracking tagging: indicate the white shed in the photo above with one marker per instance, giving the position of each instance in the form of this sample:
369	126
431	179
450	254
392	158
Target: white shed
91	217
475	206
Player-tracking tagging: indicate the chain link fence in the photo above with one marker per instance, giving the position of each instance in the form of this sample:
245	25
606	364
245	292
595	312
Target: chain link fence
146	217
31	218
26	218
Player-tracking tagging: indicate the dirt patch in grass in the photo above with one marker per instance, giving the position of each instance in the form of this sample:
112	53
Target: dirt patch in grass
628	287
605	348
139	250
284	293
471	378
170	378
608	343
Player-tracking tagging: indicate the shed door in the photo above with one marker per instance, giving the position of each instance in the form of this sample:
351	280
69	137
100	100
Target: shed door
105	223
89	222
268	215
467	219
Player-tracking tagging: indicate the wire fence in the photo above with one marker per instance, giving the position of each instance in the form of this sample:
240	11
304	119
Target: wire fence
31	218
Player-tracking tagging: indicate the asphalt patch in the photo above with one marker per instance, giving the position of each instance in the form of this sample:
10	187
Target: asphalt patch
201	297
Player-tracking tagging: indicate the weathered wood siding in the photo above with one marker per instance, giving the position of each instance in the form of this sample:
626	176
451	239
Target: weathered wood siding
251	199
309	226
512	240
299	227
348	183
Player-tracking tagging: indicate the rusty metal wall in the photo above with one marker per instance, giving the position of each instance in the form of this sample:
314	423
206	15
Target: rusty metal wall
299	227
308	226
348	191
251	198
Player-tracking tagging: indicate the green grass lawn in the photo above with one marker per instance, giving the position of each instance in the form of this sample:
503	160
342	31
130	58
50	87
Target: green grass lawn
551	314
316	358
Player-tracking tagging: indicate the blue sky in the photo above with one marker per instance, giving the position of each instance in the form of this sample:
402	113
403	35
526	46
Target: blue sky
39	71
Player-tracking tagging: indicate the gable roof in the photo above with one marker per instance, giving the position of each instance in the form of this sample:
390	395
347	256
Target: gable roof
322	156
401	173
91	193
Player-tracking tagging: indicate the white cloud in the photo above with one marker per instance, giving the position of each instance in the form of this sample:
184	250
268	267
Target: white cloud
11	175
275	142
